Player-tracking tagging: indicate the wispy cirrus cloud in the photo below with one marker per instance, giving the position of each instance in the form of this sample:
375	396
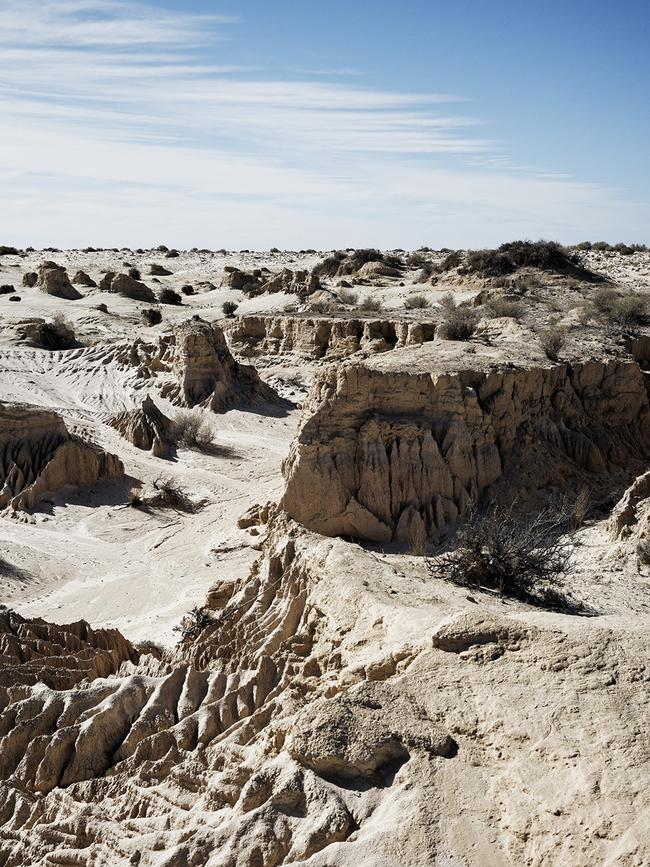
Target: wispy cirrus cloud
112	107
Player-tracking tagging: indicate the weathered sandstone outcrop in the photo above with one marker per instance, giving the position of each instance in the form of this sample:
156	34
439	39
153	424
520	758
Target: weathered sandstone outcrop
122	284
147	427
310	716
398	449
53	280
38	456
194	367
319	337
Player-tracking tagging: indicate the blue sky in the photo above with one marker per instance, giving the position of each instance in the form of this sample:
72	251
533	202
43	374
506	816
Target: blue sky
323	124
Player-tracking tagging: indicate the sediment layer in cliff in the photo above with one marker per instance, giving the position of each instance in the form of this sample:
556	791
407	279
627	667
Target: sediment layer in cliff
326	338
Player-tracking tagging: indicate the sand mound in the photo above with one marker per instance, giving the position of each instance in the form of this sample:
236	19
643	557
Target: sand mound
38	456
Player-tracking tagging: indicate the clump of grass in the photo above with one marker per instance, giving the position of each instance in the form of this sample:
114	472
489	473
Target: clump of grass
416	302
229	308
193	430
458	322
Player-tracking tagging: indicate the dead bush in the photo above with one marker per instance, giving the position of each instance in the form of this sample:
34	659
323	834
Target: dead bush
193	623
553	340
458	322
170	494
57	334
643	552
452	260
502	551
416	302
193	430
135	274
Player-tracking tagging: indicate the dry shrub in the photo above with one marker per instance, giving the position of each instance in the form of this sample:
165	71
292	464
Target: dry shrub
346	296
502	551
620	311
170	296
193	430
553	340
135	274
56	334
544	255
151	315
643	552
497	308
229	308
458	322
371	304
416	302
451	261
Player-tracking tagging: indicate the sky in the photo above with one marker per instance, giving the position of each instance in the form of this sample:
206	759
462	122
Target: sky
260	123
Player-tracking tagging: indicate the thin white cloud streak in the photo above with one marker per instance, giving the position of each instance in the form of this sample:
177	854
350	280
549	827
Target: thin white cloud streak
103	144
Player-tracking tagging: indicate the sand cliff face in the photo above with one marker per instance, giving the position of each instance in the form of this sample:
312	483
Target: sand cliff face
38	456
400	455
326	338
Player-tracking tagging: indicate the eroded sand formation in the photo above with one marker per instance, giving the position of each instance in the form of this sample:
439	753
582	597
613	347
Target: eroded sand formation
328	702
38	457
